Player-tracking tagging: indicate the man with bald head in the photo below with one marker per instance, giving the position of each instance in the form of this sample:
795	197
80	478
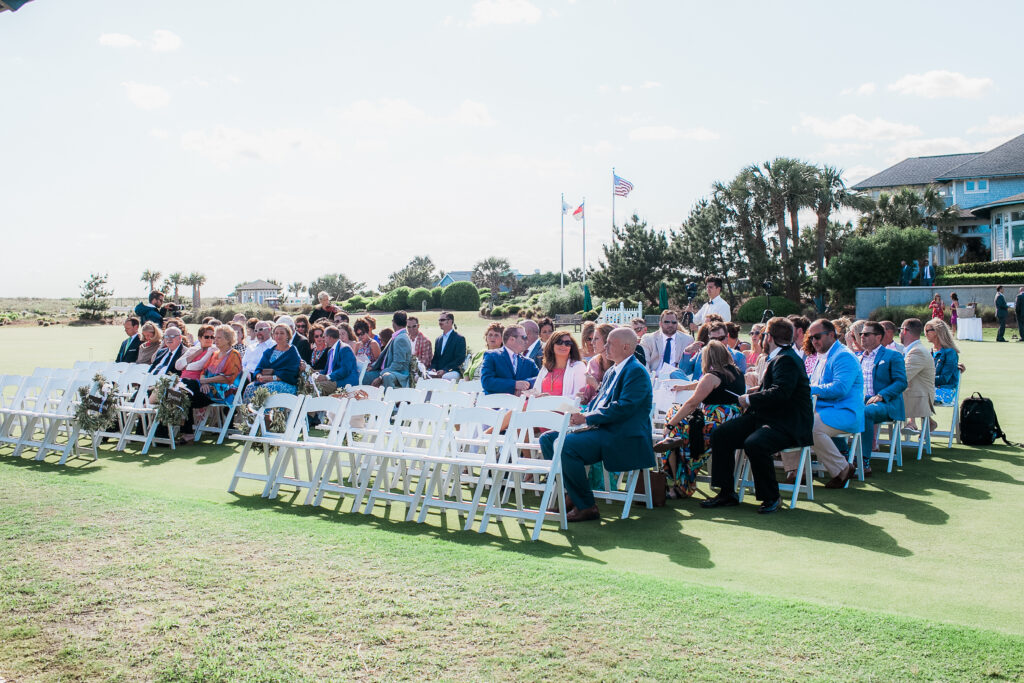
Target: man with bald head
534	345
618	427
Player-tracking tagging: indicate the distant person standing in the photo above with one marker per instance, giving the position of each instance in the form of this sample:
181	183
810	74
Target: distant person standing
1000	314
954	304
1018	310
938	309
715	304
904	274
928	274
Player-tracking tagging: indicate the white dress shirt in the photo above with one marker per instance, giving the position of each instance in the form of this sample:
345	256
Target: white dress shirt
254	354
716	305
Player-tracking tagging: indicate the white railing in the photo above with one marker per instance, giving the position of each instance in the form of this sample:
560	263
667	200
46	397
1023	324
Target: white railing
620	315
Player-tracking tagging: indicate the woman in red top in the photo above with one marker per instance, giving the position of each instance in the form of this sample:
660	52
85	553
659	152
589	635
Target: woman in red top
562	372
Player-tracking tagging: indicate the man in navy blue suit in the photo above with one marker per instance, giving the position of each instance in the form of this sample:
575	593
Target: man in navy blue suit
618	427
506	370
449	349
129	349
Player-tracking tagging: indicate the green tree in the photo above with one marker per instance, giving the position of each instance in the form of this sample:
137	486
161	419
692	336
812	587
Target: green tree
195	280
748	214
419	272
338	286
150	277
831	194
296	288
492	273
785	185
874	260
574	275
95	299
176	280
902	209
707	244
634	264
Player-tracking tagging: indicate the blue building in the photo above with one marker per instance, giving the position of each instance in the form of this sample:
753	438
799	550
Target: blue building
986	187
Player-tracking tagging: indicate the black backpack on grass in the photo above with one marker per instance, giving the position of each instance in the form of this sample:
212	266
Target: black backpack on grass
979	425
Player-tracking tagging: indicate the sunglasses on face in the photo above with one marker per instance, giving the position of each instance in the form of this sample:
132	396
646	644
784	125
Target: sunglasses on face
816	337
207	336
871	334
563	342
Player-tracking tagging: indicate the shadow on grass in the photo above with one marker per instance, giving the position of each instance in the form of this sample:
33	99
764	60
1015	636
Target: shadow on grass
73	467
611	533
202	454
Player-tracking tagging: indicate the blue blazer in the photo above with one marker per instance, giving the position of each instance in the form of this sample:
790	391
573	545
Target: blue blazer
890	381
689	368
454	353
947	368
497	376
841	391
286	367
626	419
345	370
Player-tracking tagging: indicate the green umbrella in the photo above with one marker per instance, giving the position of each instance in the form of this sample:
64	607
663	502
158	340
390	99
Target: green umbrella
663	297
587	303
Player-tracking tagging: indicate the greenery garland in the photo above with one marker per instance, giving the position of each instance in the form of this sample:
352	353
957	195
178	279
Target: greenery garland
97	409
171	408
247	415
305	386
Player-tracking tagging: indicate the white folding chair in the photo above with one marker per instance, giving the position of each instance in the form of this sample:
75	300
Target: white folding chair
308	439
343	461
893	441
804	475
219	416
81	365
58	424
470	386
437	384
262	435
9	386
138	419
453	399
362	365
511	470
372	393
24	399
509	402
37	418
954	422
400	395
555	404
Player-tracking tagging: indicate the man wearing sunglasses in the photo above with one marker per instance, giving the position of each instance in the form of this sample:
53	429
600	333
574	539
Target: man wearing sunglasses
449	349
506	370
885	380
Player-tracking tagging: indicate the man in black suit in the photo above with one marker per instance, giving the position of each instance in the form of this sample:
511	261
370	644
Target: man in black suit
168	354
1001	307
1018	310
449	349
129	351
778	415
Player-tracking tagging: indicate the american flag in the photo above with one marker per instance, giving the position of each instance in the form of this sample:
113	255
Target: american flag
622	186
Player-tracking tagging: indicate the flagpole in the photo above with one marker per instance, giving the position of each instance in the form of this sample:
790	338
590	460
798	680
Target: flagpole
584	205
613	203
561	211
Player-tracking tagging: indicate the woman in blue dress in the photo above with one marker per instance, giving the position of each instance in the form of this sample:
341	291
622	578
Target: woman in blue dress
278	370
947	361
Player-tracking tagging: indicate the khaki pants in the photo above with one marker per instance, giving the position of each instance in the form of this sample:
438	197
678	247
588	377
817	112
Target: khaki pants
824	448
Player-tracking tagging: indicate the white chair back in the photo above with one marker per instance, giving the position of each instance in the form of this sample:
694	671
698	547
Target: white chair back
509	402
557	404
453	399
405	395
470	386
435	384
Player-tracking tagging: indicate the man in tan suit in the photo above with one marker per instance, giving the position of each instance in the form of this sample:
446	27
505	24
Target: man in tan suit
919	397
668	334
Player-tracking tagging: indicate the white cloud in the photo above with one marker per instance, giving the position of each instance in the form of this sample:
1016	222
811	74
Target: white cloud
472	113
854	127
664	133
602	147
998	125
863	89
164	41
935	84
625	88
604	89
385	113
487	12
159	133
118	40
845	148
146	96
928	147
223	145
855	174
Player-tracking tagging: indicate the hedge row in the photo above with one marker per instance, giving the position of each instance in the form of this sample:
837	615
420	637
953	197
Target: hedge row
983	267
994	278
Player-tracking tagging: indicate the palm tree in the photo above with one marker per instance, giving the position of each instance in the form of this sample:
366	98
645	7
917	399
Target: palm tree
492	273
150	277
176	280
296	288
745	207
831	194
195	280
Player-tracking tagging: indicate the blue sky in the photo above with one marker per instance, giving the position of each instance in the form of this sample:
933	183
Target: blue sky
287	140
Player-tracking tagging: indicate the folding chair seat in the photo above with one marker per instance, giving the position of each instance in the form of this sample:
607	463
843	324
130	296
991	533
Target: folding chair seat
308	439
219	416
470	386
372	393
511	470
363	430
81	365
954	423
554	404
262	435
508	402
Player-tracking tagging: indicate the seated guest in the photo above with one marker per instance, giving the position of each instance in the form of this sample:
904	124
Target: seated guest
587	340
347	336
853	337
619	422
666	345
391	369
690	367
534	347
450	348
250	328
368	350
492	341
324	310
599	364
733	340
755	345
421	346
755	372
218	381
506	370
777	416
339	364
842	326
186	337
385	337
947	359
810	354
166	358
152	311
259	345
885	380
152	338
300	340
919	398
278	369
547	328
239	328
562	372
717	394
800	325
889	337
837	382
129	349
318	345
191	365
639	326
372	323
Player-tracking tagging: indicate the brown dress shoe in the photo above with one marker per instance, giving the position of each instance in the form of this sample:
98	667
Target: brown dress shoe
553	505
666	445
839	481
791	477
587	515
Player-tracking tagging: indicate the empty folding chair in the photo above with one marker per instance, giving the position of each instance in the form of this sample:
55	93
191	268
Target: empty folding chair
34	419
263	434
341	468
470	386
13	420
453	399
308	439
9	386
893	440
58	424
400	395
435	384
509	402
555	404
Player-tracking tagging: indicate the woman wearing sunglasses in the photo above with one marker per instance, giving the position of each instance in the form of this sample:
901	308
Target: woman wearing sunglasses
562	372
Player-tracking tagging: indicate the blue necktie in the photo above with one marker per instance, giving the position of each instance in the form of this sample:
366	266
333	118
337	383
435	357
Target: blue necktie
606	389
667	357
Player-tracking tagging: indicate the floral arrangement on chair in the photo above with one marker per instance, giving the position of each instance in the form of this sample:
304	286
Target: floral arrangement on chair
172	399
97	409
246	415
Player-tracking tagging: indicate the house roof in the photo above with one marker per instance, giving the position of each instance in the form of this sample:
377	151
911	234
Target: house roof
915	171
1005	160
257	284
984	208
459	275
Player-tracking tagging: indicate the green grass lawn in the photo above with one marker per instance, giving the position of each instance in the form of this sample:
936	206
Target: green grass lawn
145	567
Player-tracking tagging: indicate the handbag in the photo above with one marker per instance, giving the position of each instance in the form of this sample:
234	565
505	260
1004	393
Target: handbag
659	486
695	429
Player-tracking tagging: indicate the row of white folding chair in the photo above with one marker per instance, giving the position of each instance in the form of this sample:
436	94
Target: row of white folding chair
29	393
42	416
262	435
137	412
217	417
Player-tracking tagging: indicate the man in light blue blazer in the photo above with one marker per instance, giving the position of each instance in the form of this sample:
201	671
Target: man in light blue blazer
391	369
885	380
839	385
506	370
618	427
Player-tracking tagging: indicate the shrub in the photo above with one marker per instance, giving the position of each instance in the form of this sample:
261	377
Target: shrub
897	314
982	268
395	300
560	301
418	296
435	297
357	303
485	293
460	296
753	308
499	312
1003	277
590	315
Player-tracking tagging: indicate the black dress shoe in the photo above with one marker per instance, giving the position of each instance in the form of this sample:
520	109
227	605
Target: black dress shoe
769	506
587	515
720	501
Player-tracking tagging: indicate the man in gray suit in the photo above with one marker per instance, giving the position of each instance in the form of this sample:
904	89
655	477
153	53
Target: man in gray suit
391	369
